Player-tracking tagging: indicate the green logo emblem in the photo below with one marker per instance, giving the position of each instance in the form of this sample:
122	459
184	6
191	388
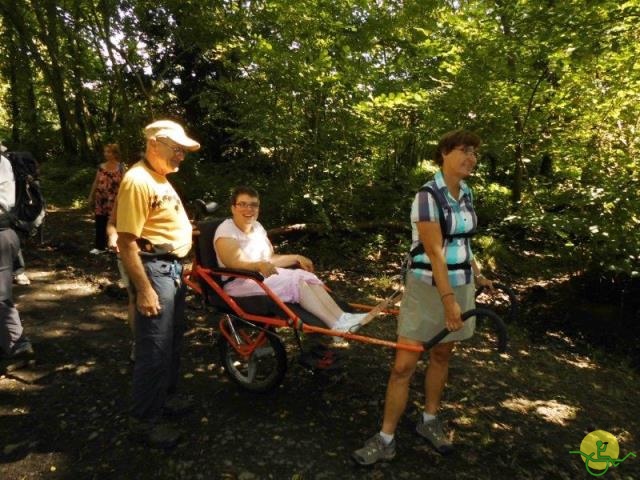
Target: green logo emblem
599	451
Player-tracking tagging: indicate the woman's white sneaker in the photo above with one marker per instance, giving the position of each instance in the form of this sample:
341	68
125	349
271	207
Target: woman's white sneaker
348	322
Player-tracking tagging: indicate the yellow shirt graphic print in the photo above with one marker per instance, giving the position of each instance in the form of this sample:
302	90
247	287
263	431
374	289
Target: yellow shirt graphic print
149	208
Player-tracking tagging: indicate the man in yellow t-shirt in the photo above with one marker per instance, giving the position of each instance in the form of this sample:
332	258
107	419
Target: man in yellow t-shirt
154	236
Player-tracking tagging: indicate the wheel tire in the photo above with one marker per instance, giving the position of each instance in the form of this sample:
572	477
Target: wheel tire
510	311
264	369
497	325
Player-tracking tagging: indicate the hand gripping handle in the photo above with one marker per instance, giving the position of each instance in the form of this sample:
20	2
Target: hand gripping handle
498	325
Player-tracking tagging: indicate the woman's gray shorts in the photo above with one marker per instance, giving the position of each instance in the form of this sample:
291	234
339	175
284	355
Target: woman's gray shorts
422	313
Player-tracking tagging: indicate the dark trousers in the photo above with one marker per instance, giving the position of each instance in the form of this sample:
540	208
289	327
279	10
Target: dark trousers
18	264
158	341
10	324
101	231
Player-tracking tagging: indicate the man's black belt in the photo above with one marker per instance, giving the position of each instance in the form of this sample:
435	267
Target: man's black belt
166	257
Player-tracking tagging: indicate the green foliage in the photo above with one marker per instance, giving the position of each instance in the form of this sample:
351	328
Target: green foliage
62	187
331	109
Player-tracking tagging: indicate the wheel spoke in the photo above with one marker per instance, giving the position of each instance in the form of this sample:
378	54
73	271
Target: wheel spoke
257	361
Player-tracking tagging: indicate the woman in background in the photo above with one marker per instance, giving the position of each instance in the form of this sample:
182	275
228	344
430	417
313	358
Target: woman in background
103	193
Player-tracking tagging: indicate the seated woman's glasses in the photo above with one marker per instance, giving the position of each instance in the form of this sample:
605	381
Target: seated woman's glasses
252	205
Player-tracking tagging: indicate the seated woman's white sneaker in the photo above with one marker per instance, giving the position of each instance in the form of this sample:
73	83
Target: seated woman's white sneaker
348	322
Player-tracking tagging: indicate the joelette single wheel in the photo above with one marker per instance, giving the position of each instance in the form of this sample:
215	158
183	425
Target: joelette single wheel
253	357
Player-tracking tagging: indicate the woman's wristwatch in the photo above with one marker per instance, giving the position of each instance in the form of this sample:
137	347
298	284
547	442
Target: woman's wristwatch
478	276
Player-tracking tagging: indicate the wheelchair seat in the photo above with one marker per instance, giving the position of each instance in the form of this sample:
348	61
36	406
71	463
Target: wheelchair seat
255	304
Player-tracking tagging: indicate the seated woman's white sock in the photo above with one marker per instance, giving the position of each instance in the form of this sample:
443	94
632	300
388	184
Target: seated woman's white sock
348	322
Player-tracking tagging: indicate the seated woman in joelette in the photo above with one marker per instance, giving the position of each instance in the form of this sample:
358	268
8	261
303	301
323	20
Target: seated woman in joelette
241	242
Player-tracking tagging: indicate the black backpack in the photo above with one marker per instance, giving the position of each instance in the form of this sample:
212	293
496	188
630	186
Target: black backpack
29	211
441	203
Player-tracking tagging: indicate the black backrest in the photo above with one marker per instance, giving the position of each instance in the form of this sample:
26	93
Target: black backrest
206	257
205	254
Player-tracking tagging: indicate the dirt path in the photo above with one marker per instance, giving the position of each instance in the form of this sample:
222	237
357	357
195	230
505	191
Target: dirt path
512	416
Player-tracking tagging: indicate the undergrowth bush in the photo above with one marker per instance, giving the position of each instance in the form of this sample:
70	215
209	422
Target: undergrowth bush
563	223
64	186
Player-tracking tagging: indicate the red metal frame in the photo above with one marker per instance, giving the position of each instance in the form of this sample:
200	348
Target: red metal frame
192	276
247	348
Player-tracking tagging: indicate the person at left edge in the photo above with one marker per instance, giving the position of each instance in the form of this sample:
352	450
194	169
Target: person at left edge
13	342
154	237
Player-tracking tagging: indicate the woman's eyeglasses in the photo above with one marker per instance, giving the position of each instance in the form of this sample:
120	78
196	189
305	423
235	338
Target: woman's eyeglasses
251	205
468	150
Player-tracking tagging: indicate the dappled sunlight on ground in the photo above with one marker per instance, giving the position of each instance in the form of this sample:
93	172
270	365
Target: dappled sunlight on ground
58	287
55	332
11	386
550	410
562	338
579	361
512	415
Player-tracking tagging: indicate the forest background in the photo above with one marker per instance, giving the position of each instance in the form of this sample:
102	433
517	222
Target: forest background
331	109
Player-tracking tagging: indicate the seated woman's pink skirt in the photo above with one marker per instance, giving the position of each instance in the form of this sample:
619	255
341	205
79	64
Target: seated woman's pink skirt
285	285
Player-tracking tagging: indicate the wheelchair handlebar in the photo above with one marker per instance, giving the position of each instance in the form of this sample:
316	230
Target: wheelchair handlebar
202	208
476	312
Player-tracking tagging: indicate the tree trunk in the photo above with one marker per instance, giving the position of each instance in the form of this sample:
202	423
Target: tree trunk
14	95
30	115
79	94
48	35
516	188
51	68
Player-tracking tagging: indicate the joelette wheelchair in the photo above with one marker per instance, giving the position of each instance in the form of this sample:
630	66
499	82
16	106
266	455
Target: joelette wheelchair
252	352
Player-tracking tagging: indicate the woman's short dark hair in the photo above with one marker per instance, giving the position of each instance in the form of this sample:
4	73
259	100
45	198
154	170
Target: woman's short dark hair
451	140
243	190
